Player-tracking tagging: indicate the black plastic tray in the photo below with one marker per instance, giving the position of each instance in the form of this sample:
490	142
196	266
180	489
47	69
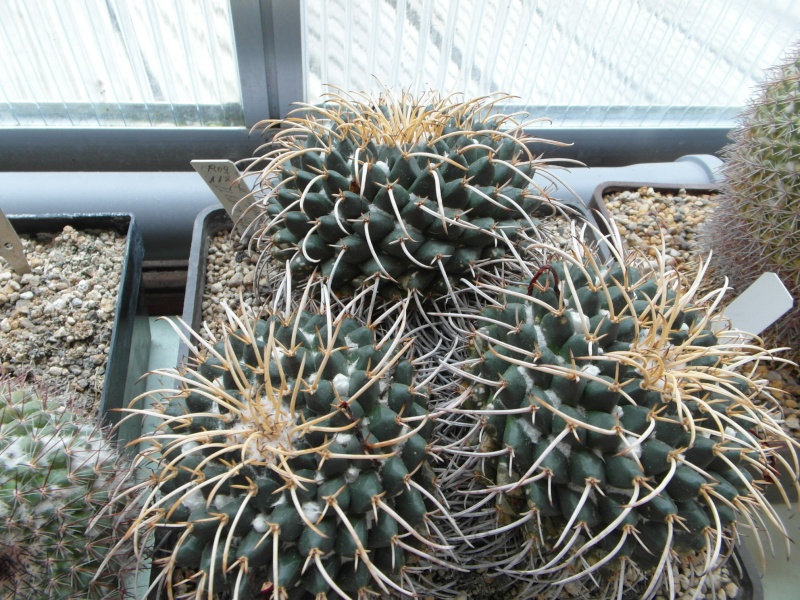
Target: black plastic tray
743	565
129	348
208	223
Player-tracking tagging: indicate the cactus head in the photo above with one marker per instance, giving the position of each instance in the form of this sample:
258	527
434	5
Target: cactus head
616	430
411	192
57	528
294	458
755	226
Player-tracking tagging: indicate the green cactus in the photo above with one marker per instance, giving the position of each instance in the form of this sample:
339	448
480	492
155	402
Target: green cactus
409	194
56	524
611	429
755	226
294	459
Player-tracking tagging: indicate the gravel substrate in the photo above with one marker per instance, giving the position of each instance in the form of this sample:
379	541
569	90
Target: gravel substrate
56	321
645	218
231	270
230	273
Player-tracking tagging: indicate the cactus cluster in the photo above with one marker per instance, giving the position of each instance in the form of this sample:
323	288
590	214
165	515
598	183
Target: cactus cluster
435	382
614	426
755	226
296	459
414	192
56	523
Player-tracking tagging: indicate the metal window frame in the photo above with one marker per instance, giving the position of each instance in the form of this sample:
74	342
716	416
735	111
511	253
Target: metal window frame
269	45
267	34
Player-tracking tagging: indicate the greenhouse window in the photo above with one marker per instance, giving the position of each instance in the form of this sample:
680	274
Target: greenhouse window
96	63
626	63
151	84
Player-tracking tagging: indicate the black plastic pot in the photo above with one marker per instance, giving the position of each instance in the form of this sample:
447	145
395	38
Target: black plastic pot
129	347
207	224
744	567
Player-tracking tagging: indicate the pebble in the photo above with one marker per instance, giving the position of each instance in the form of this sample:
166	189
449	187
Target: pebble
48	326
236	280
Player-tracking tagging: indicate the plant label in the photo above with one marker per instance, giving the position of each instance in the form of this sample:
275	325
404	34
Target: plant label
11	247
230	188
760	305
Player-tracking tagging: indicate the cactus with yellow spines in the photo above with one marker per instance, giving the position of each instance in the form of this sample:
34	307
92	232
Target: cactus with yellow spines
293	460
411	193
613	427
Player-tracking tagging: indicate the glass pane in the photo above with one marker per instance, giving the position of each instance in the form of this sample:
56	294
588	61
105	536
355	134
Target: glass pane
118	63
634	63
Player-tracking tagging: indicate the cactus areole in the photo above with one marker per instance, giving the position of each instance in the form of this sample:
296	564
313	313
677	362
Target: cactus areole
413	191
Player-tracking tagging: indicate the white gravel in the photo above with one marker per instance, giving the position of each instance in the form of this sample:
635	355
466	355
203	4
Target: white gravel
646	218
57	320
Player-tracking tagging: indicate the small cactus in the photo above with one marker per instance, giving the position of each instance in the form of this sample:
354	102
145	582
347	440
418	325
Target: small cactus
409	193
56	524
611	428
293	461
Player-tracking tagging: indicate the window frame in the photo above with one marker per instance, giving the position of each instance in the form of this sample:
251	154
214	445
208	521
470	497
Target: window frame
269	46
267	36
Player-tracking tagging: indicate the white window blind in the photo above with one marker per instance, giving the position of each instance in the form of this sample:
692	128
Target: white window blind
142	63
590	63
